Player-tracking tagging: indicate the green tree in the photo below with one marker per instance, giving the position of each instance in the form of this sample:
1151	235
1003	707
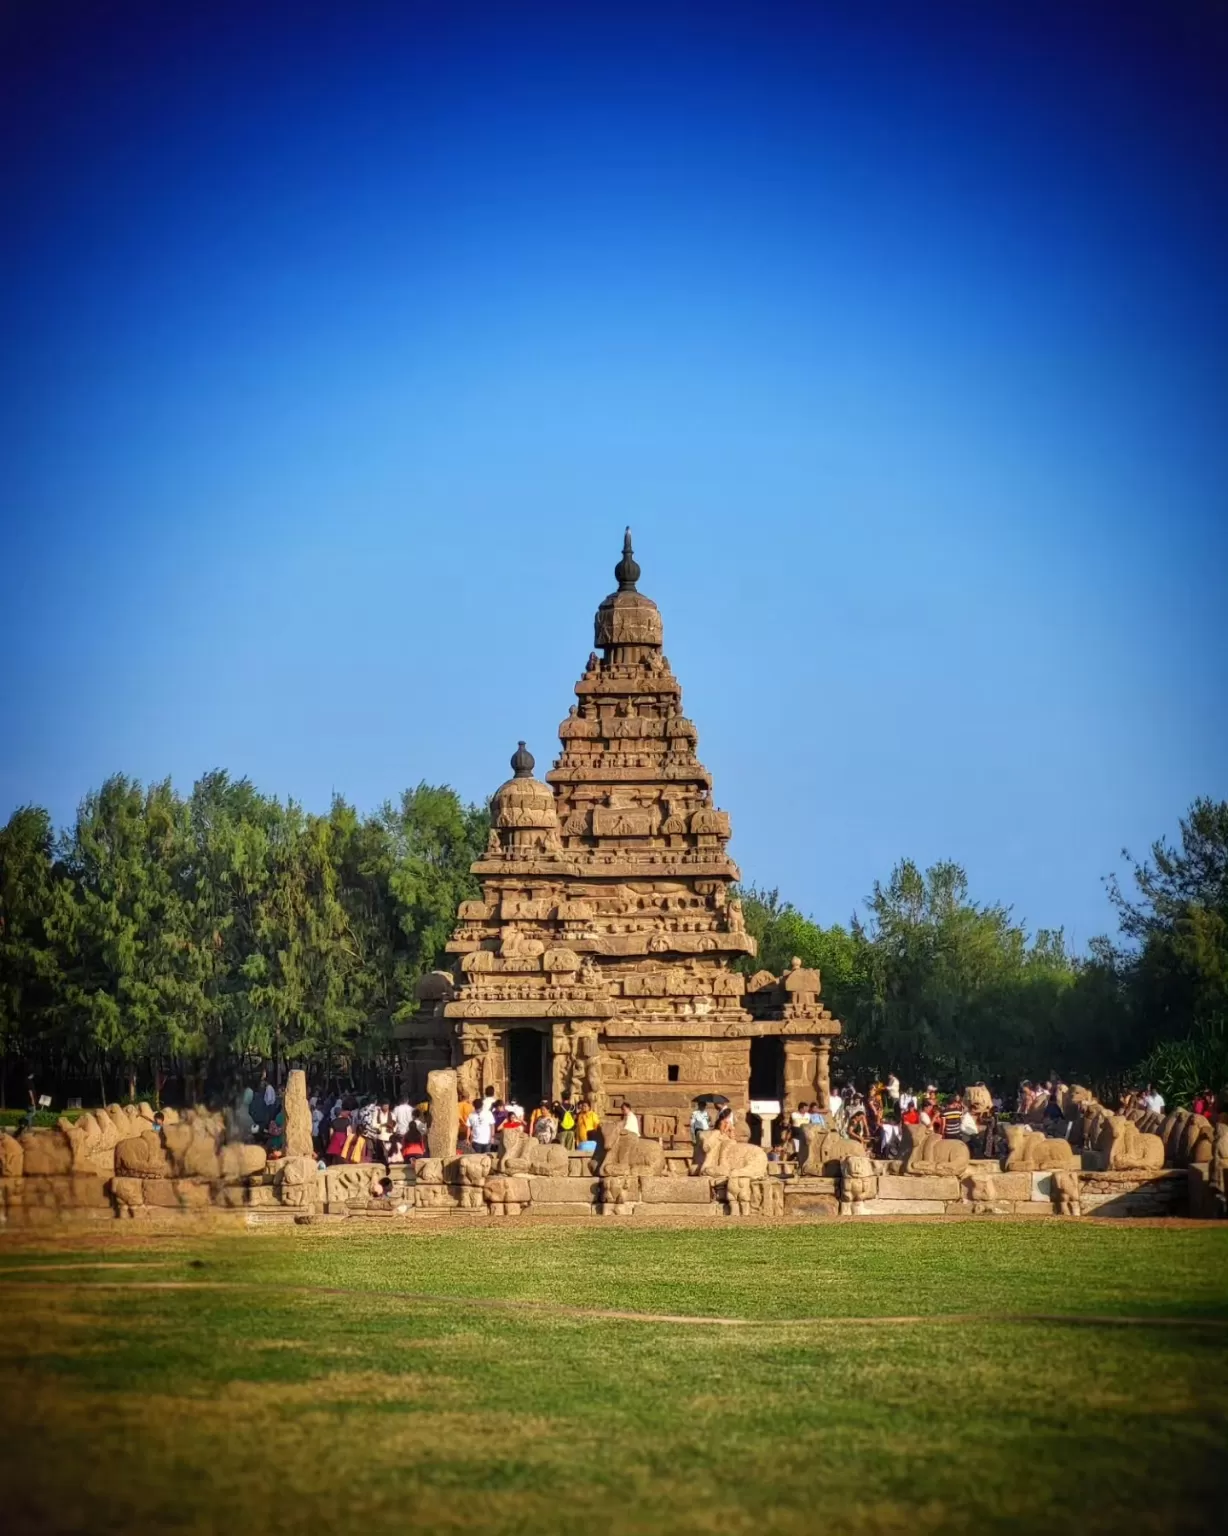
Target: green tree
1175	925
134	977
30	980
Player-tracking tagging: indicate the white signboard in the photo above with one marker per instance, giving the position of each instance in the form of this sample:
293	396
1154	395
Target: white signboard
765	1106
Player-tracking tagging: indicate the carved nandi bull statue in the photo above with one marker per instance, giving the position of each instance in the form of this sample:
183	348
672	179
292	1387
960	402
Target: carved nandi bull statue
925	1152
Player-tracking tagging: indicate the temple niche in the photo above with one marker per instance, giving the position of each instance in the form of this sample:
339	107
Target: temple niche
599	961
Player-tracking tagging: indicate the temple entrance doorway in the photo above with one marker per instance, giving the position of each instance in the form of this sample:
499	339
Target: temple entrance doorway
767	1078
767	1067
528	1069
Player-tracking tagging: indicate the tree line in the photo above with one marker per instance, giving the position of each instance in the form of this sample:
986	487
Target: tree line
170	943
937	986
197	938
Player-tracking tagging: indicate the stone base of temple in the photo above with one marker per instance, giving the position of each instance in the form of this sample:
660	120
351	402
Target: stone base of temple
462	1189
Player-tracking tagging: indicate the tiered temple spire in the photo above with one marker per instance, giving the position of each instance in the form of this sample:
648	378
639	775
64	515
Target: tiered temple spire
608	924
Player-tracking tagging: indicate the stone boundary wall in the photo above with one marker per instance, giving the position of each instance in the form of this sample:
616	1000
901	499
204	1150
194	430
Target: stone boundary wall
473	1186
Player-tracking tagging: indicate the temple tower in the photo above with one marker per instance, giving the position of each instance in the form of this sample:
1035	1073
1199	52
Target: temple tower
599	961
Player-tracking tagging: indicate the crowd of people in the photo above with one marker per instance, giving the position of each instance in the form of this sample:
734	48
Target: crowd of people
352	1128
875	1116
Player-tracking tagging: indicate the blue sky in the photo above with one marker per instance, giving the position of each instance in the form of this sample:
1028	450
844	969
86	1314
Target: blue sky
339	343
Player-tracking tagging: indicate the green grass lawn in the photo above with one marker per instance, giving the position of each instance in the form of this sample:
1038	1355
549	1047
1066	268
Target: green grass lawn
876	1378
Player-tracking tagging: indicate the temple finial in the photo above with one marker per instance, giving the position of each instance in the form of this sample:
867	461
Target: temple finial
627	571
523	762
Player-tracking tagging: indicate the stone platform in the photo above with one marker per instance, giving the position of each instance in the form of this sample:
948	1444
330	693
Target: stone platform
283	1192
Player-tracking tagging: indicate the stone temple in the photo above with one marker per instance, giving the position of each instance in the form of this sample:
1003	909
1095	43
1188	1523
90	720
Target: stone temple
601	959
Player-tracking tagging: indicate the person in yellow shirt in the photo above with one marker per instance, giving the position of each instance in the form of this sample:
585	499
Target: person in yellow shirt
463	1110
587	1122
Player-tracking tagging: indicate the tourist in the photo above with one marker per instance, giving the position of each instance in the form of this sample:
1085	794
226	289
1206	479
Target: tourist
481	1128
908	1100
699	1121
402	1115
545	1127
268	1099
952	1115
338	1131
931	1111
835	1103
500	1114
488	1098
857	1124
377	1127
724	1121
815	1116
1204	1104
515	1109
566	1115
1153	1100
892	1090
413	1143
464	1108
911	1115
317	1119
541	1111
631	1121
513	1118
587	1122
968	1130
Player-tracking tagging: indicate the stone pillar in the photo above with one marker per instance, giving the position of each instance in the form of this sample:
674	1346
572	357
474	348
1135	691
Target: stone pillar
589	1050
766	1122
442	1131
822	1076
298	1116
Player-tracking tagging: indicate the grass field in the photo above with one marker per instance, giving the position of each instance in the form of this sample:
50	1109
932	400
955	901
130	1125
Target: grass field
488	1379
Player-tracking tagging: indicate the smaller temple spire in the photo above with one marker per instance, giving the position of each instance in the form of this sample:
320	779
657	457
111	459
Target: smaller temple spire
627	571
523	762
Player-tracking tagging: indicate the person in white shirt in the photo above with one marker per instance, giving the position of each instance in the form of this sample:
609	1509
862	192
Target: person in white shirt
834	1103
1153	1100
402	1116
481	1125
893	1090
631	1122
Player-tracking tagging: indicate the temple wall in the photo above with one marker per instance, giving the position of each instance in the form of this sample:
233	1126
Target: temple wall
660	1078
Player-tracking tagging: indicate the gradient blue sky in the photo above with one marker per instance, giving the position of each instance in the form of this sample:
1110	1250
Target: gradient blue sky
337	344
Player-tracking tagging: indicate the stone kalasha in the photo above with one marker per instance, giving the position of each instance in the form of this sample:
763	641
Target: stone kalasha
598	962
